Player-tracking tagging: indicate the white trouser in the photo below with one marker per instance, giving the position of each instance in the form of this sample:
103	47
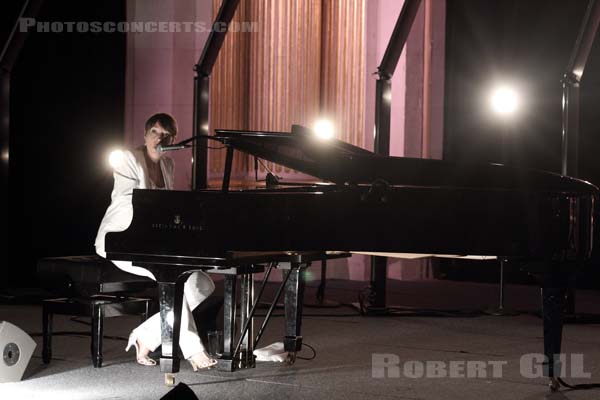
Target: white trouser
196	289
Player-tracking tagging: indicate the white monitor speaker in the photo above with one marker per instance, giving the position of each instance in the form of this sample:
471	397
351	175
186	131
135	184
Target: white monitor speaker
16	349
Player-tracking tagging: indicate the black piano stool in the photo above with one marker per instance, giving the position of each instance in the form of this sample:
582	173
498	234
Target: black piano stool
89	286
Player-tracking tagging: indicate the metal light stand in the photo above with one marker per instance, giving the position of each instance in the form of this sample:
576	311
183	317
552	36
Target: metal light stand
203	70
383	94
570	110
501	310
321	301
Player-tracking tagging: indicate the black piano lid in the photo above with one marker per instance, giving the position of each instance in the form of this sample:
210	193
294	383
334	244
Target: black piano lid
299	150
342	163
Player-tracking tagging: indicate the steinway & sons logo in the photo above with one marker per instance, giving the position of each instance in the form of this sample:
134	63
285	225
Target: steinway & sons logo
177	225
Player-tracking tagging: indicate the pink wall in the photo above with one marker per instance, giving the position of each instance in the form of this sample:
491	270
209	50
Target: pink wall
381	16
160	72
407	91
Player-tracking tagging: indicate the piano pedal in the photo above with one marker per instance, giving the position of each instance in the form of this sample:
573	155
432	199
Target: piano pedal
170	379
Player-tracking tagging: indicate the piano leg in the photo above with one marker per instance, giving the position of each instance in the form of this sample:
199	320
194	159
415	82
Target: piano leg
171	302
229	305
294	297
246	357
554	287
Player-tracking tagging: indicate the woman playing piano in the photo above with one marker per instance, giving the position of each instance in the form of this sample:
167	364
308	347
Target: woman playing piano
147	168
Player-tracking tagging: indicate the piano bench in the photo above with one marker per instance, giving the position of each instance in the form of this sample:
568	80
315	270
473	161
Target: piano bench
90	286
97	307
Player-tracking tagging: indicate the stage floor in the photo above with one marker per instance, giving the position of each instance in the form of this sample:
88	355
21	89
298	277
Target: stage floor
418	357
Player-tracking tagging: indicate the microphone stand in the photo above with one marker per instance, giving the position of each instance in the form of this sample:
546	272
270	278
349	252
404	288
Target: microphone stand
185	143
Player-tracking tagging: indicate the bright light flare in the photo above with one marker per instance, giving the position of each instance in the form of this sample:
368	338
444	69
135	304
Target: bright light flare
324	129
504	100
387	96
115	158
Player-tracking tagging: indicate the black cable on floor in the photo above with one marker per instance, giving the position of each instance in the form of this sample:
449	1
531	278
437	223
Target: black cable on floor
581	386
308	358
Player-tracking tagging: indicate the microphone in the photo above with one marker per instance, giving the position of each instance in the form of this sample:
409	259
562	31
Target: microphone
161	149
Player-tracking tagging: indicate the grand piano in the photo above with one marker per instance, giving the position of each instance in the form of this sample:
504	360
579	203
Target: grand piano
366	203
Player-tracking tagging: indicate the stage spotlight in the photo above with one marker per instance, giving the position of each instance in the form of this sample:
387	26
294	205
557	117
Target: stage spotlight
115	158
180	392
323	129
504	100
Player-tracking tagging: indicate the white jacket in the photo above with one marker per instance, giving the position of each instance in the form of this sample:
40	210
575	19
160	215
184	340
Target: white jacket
131	173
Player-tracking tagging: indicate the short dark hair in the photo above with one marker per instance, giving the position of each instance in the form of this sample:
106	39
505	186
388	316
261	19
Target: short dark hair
167	122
